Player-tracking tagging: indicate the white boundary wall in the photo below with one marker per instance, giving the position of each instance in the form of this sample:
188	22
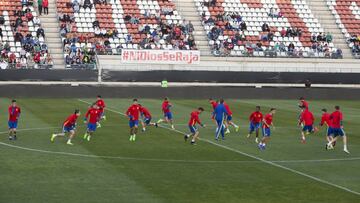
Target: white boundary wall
243	64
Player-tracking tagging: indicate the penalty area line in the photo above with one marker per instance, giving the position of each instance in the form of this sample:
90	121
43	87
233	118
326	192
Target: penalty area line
252	156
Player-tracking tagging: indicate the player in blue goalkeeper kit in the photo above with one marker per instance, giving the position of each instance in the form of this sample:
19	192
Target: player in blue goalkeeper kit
219	116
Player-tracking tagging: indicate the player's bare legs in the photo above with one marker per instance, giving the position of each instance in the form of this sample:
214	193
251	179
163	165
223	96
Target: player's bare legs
257	135
227	130
194	137
265	140
303	139
133	132
345	144
230	123
166	120
56	135
71	136
88	135
143	125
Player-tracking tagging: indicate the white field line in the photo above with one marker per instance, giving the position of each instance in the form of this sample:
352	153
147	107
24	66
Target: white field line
255	157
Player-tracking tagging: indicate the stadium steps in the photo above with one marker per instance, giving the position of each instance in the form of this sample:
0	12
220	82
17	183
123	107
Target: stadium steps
328	22
52	37
187	10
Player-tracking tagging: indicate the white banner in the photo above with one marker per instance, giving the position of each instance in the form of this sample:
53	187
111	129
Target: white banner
160	56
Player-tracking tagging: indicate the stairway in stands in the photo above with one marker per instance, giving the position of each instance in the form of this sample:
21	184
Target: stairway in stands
328	22
187	10
52	34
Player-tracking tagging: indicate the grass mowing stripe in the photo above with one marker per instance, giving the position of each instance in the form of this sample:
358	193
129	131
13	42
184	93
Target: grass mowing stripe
158	160
252	156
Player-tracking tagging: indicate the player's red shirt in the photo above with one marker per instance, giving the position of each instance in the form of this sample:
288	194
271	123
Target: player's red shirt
256	117
325	119
14	113
134	112
304	104
227	109
194	118
146	113
214	104
101	104
307	117
92	115
71	120
268	119
336	119
166	106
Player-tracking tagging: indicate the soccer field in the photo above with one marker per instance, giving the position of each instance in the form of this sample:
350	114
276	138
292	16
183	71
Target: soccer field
160	167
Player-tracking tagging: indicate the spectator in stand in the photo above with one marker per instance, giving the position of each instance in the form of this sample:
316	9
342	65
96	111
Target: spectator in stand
29	16
291	49
265	27
329	37
40	6
45	5
87	4
18	37
76	6
283	32
3	64
2	20
40	32
243	26
18	22
1	34
24	3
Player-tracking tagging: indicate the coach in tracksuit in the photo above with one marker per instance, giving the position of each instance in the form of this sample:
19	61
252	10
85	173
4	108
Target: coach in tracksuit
219	115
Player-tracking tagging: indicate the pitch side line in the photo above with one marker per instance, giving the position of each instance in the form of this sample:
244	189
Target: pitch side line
254	157
157	160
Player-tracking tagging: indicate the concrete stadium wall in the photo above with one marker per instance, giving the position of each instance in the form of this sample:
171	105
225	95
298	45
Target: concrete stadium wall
180	76
67	91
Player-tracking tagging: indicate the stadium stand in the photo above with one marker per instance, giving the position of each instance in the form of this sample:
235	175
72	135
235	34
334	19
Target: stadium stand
22	39
264	28
107	28
347	15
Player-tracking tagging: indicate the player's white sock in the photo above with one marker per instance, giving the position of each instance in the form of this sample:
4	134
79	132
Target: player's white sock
236	126
257	140
193	140
172	126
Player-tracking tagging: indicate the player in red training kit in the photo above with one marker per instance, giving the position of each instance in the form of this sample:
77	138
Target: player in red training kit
91	118
255	123
267	123
14	114
69	126
146	118
101	104
325	120
307	120
228	121
303	104
194	119
336	118
133	113
168	116
213	103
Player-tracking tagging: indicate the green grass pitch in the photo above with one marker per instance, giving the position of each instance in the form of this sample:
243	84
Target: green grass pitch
160	167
